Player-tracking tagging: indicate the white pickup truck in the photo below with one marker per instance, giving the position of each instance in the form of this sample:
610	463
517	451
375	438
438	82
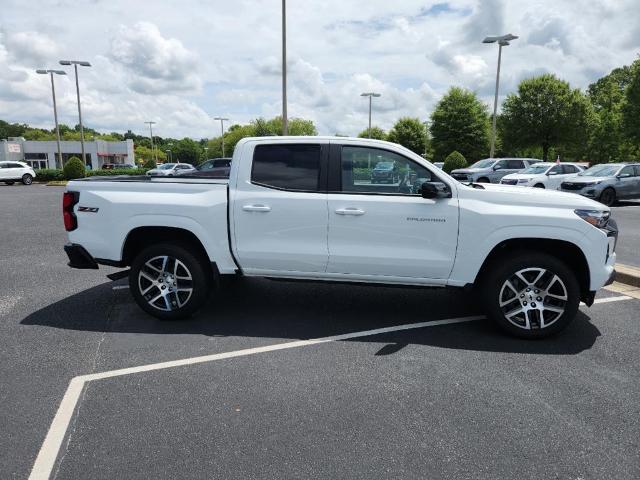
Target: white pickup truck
306	208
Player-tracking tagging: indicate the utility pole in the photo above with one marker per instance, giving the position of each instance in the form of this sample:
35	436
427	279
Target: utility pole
222	120
75	64
153	150
503	41
55	108
285	120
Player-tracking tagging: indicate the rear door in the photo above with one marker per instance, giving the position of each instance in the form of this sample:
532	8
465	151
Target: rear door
4	170
387	230
280	208
626	182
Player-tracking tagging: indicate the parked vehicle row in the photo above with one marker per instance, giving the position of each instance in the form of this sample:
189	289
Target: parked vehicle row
12	172
491	170
607	182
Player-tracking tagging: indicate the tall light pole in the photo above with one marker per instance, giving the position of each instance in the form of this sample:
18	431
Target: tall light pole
503	41
153	150
75	64
426	137
370	95
169	155
285	120
222	120
55	108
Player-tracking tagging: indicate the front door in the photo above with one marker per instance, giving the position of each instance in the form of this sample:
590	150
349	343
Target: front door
387	230
280	209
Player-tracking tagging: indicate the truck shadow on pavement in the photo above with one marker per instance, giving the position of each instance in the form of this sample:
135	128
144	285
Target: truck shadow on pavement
291	310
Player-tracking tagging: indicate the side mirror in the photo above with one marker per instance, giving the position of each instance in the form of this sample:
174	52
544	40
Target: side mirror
496	167
435	190
624	175
552	173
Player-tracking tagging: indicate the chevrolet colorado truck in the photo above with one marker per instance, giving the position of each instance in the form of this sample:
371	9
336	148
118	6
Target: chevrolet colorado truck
305	208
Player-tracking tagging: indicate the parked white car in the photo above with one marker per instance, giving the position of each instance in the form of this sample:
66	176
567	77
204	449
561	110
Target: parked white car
171	169
12	172
543	175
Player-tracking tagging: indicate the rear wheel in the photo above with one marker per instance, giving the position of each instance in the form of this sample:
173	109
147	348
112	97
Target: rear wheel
531	295
608	196
27	179
483	180
169	282
538	185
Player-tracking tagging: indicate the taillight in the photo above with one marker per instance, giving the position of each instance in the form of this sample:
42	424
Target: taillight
69	199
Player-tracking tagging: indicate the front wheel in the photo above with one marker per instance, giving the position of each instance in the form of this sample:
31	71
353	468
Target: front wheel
608	196
27	179
483	180
538	185
531	295
169	282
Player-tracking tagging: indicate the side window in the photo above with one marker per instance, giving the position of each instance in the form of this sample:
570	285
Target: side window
371	170
628	170
15	165
515	164
570	169
556	169
222	163
502	164
637	167
206	165
4	165
287	167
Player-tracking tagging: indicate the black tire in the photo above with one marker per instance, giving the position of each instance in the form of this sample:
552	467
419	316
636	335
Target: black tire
11	182
483	180
538	185
27	179
608	196
493	289
167	306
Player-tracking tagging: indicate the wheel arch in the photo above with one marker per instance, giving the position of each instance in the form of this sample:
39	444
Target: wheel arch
567	252
142	237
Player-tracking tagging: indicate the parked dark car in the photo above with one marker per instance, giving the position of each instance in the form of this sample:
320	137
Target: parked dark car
214	168
384	172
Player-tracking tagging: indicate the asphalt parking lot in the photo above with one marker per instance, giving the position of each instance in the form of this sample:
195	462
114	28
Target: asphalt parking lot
452	400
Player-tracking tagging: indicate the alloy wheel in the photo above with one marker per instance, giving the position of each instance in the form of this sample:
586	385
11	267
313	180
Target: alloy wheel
165	283
533	298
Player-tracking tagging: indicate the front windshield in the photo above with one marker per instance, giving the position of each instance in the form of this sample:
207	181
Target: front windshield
600	171
486	163
166	166
538	168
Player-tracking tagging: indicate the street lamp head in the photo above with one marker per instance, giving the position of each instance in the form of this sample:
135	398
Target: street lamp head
221	118
45	72
370	94
75	62
501	39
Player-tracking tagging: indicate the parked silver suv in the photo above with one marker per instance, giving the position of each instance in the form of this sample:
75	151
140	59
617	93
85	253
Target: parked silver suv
606	182
491	170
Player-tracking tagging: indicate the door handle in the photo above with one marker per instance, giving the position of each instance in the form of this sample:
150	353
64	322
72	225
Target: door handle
349	211
256	208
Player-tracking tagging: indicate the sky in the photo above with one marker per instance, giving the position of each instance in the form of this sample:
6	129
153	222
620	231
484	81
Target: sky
181	63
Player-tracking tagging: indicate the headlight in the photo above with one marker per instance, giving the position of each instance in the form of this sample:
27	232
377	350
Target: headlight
523	180
597	218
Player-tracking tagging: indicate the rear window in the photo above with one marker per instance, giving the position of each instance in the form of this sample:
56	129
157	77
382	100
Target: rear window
287	167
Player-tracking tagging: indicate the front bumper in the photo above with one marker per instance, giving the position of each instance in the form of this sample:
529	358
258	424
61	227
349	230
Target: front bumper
79	257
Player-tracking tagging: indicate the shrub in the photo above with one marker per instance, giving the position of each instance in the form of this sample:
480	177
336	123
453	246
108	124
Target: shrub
49	174
74	168
149	164
454	160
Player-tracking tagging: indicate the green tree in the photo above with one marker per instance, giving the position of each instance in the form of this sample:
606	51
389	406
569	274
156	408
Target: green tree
187	151
547	112
410	133
460	122
144	154
376	133
74	168
454	160
149	164
631	107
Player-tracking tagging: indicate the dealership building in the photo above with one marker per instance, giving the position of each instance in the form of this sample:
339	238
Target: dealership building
45	154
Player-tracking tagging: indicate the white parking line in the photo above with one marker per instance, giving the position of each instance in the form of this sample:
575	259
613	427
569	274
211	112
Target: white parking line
46	459
119	287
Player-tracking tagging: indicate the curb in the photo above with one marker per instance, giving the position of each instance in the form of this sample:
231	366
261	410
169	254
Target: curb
628	275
